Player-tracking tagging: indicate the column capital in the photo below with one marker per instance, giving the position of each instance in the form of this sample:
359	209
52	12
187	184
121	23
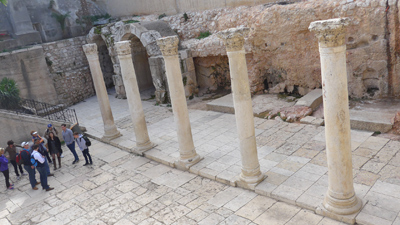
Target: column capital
330	33
168	45
90	49
234	38
123	48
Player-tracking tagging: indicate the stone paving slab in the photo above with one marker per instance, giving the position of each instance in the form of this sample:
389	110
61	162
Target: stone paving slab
292	155
145	192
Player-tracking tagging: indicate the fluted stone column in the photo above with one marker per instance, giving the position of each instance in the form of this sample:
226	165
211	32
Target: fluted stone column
234	41
124	52
340	198
169	49
110	130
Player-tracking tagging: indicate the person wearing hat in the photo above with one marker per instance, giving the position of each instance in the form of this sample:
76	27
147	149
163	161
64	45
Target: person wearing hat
26	157
4	169
12	156
51	128
37	140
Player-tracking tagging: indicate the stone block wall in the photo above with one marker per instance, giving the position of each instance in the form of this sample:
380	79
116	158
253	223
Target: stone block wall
69	70
18	127
28	68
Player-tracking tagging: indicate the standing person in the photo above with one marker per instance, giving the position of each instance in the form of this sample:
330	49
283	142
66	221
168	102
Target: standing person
54	144
35	138
69	141
38	161
26	157
4	169
43	150
49	129
12	152
80	140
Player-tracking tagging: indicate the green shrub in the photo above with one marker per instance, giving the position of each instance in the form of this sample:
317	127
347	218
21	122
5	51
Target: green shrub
186	17
204	35
9	93
162	16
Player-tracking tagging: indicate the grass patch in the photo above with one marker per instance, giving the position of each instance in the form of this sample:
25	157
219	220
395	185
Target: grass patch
131	21
204	35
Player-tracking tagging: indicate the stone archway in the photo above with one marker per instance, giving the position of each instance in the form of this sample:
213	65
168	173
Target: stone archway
144	37
106	62
140	62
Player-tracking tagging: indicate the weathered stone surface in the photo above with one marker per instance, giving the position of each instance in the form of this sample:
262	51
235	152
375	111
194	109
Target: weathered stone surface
291	114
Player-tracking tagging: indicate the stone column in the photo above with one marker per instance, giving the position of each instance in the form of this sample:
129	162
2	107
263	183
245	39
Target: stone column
169	49
143	142
110	130
340	198
234	41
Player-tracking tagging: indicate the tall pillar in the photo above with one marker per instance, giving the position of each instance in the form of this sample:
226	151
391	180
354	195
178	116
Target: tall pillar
234	41
143	142
169	49
110	130
340	198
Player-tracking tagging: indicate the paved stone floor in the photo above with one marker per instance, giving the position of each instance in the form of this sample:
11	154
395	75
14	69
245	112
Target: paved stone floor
292	155
121	188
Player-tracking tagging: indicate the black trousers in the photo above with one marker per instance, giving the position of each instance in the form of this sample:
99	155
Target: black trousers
47	156
6	174
87	155
14	163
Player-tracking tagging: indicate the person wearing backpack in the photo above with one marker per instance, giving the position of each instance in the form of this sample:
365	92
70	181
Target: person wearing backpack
4	169
54	144
26	160
12	153
38	161
83	144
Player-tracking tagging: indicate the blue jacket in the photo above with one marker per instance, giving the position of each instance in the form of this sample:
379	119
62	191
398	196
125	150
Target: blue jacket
3	163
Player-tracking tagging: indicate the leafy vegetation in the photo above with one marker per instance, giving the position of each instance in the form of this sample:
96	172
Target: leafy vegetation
204	35
131	21
4	2
186	17
98	17
9	93
162	16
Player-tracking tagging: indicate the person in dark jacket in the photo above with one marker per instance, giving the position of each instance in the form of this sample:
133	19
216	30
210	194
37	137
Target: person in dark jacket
12	152
38	161
4	169
84	148
54	144
26	157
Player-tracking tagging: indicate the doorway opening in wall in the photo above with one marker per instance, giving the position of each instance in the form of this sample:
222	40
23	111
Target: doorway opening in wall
106	64
141	64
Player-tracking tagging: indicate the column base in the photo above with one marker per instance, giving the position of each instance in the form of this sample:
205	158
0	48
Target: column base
185	164
140	149
342	210
250	182
109	137
347	218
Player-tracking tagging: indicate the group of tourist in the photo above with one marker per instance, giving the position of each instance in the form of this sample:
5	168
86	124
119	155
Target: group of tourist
35	156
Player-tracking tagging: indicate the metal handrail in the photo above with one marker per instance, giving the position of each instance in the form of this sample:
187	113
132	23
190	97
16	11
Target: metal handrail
44	110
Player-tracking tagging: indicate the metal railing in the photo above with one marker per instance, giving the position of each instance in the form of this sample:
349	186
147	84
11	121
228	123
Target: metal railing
44	110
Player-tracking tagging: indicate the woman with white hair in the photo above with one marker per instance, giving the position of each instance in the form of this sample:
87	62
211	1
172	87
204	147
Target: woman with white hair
4	168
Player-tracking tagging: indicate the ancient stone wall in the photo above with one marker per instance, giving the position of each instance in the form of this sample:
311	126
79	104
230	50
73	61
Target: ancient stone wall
69	70
18	127
170	7
283	55
28	68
